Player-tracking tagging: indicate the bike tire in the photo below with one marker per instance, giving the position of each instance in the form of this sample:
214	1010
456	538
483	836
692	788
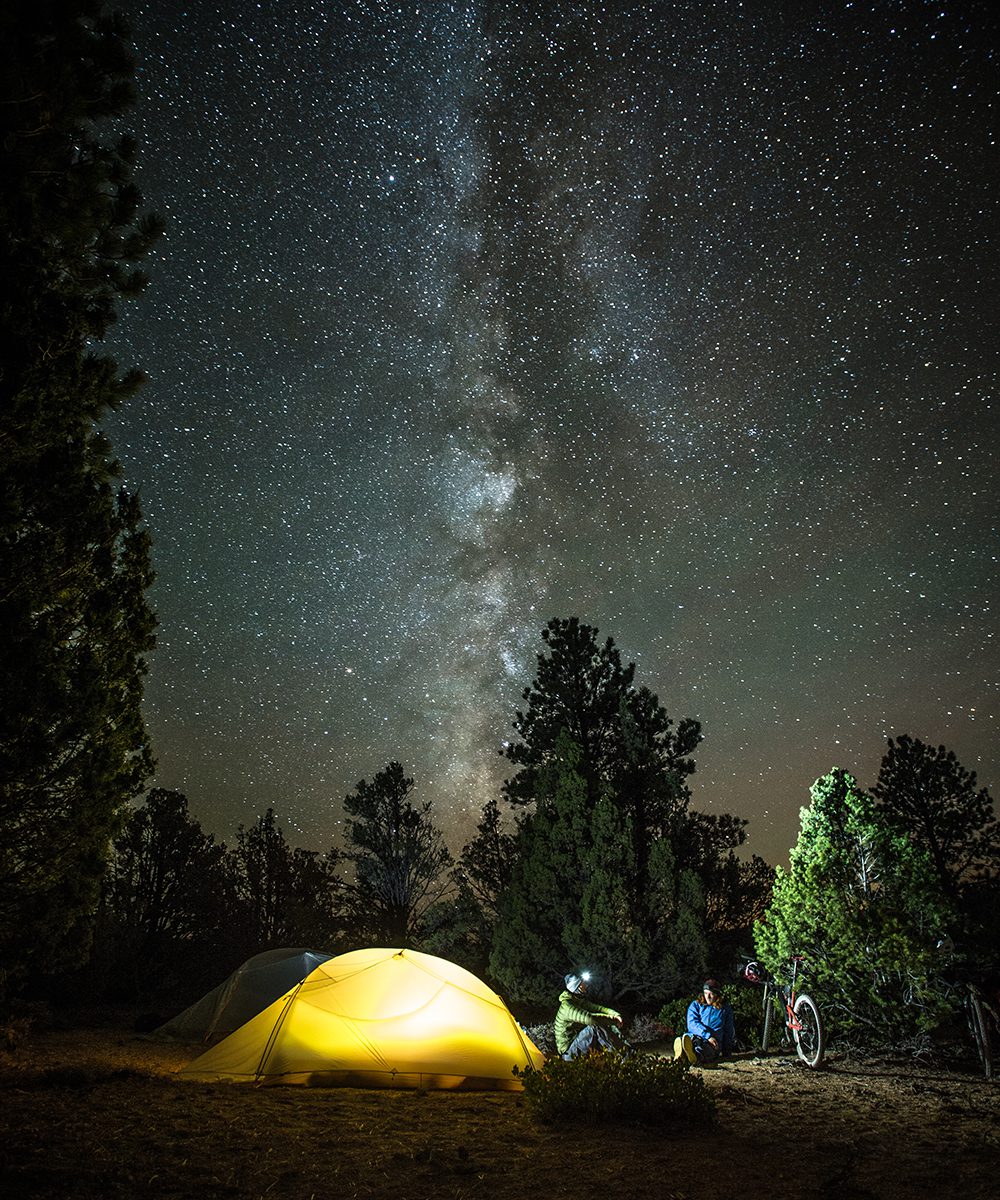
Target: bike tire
810	1040
765	1039
980	1033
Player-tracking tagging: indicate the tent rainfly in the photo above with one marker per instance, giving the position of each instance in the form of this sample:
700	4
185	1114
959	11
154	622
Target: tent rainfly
378	1018
249	990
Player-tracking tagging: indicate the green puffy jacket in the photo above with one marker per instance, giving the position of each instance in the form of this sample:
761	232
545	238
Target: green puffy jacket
577	1011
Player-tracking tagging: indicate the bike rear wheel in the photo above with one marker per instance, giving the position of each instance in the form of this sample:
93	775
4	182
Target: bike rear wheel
809	1039
980	1033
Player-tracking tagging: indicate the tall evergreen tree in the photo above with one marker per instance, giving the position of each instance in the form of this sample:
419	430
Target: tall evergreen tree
74	560
167	906
598	880
461	926
738	892
400	860
928	793
286	896
576	898
860	901
166	875
578	690
487	861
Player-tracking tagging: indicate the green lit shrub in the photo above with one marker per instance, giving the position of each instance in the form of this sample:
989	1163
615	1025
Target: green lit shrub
674	1014
632	1088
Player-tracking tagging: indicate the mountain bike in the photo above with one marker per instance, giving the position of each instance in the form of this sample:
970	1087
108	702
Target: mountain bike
795	1012
984	1024
981	1018
978	1007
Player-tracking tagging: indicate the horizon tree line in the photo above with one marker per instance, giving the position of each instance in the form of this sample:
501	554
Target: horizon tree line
560	881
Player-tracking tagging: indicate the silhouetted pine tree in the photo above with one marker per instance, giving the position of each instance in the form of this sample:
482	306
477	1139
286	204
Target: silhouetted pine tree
460	927
168	909
286	896
929	794
598	881
74	559
400	859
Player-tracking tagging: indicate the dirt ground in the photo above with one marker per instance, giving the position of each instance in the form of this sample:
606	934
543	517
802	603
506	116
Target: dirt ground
99	1113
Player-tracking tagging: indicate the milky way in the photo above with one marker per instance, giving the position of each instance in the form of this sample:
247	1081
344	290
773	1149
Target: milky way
680	318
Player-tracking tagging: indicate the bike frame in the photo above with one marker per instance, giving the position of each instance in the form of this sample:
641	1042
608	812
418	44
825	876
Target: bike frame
788	994
801	1018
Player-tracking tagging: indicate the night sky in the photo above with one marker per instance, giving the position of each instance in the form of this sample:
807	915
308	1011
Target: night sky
677	317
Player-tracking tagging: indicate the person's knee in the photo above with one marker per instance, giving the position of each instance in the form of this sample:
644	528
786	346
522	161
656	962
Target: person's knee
581	1044
705	1051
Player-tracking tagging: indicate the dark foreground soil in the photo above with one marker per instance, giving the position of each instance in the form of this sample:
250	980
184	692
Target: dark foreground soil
100	1114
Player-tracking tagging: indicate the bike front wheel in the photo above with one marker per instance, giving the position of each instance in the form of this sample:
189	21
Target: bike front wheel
765	1039
809	1038
980	1034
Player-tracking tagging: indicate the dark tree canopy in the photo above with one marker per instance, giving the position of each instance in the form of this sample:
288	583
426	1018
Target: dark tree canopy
74	560
400	859
931	796
598	881
286	896
167	906
487	861
166	878
578	690
461	926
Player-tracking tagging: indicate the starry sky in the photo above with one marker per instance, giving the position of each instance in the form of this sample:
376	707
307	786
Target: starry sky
677	317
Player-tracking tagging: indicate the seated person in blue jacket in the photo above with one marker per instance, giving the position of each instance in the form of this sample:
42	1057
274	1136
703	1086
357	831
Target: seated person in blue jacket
711	1030
581	1025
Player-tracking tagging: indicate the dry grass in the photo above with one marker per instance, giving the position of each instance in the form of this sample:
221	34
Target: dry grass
99	1113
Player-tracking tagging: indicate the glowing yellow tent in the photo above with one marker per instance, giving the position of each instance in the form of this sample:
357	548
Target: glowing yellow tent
378	1018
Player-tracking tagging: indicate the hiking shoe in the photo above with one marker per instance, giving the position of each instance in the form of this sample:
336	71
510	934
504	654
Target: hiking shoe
684	1048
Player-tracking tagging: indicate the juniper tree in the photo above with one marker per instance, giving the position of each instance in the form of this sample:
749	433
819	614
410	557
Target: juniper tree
860	901
75	626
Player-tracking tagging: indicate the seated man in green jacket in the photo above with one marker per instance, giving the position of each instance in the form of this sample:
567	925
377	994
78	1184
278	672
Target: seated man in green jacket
578	1028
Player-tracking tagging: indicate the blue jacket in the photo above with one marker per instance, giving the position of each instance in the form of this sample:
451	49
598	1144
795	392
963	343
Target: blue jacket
706	1021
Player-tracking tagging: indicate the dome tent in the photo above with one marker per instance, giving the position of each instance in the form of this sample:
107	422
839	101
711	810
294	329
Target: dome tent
249	990
378	1018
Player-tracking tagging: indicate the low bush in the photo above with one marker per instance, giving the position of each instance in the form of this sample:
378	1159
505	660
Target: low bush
14	1033
647	1028
543	1036
674	1014
748	1014
632	1088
